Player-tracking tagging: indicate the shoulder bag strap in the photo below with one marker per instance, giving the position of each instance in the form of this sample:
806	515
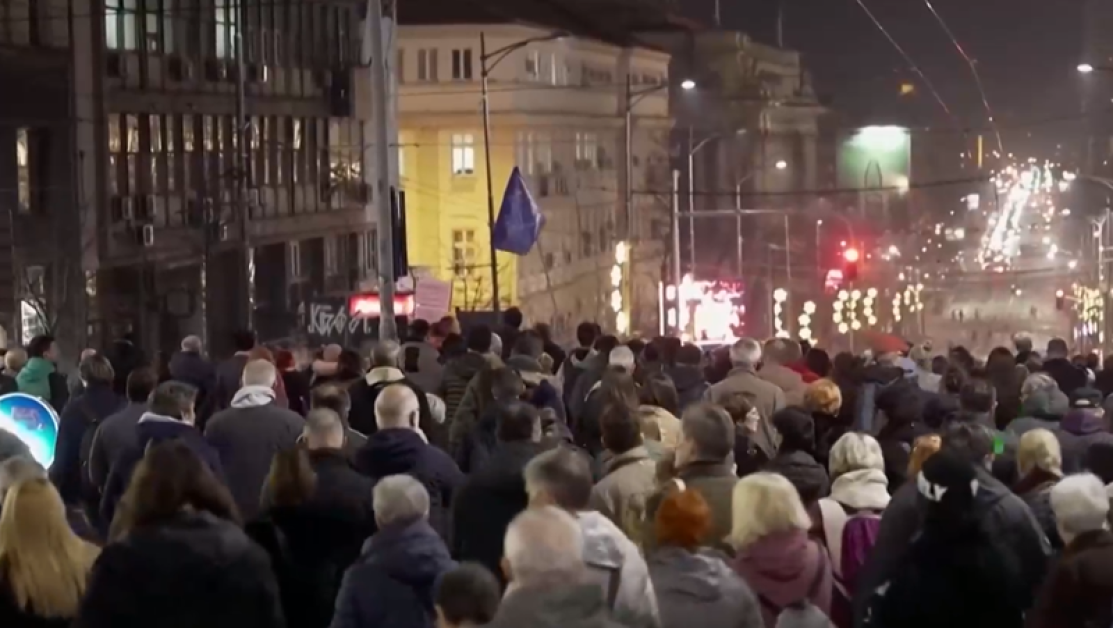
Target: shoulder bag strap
834	522
817	581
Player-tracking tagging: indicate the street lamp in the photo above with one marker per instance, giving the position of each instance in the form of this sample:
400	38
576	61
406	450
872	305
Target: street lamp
687	85
781	164
487	62
1085	68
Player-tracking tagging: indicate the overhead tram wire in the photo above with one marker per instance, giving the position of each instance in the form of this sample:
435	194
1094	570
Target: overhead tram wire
974	71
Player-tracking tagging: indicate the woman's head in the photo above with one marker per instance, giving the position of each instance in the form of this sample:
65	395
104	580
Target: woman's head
683	519
291	480
659	390
618	388
763	504
169	479
349	365
954	378
1039	449
855	451
823	396
818	362
1080	504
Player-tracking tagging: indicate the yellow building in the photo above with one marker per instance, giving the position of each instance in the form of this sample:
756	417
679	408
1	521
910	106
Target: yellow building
557	112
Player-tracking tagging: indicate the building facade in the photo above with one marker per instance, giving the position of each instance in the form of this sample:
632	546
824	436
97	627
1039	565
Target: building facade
557	113
165	214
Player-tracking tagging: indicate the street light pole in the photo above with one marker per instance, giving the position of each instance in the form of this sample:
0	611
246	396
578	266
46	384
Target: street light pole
691	202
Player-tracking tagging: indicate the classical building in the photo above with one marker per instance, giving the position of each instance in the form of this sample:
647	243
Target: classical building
127	169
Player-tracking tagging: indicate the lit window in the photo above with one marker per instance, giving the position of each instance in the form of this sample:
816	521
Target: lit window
427	65
368	251
587	150
23	162
121	25
461	65
464	252
526	160
225	28
463	154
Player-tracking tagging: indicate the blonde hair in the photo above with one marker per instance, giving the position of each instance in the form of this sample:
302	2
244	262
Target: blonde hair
44	562
1039	449
764	504
923	448
855	451
823	395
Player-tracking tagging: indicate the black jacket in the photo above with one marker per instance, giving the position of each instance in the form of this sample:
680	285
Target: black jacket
488	501
115	436
227	379
690	383
194	570
365	391
1078	590
402	451
97	403
1068	376
297	390
125	357
458	373
12	616
195	370
480	443
809	478
340	487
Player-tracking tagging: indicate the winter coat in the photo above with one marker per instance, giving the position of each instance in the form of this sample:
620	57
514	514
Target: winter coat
97	403
700	584
715	481
1078	592
151	430
591	373
896	441
766	397
228	378
396	451
421	364
690	383
536	376
193	570
618	569
247	436
748	457
781	569
455	377
788	380
1068	376
392	585
667	424
479	444
12	616
556	605
809	478
1087	428
365	391
193	369
1035	490
297	390
628	481
115	435
828	430
1004	515
570	371
124	357
488	501
40	378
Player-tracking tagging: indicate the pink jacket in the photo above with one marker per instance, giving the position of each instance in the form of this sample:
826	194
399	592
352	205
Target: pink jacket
781	567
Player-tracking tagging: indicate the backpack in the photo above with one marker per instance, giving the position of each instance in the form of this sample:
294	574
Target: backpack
802	613
850	539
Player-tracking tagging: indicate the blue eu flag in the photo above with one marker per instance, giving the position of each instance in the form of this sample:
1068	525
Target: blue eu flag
519	221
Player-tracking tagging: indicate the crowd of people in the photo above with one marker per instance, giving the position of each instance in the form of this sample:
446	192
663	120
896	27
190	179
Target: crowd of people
494	478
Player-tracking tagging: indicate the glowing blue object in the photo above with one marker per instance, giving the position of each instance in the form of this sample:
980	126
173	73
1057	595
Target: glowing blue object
33	421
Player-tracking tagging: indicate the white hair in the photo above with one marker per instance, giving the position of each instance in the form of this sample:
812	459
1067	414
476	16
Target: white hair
1080	504
764	504
745	352
496	344
399	498
323	429
259	373
621	357
1039	449
542	544
437	408
855	451
191	344
385	353
397	406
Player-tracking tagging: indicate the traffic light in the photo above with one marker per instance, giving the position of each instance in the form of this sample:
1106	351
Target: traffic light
1060	300
850	268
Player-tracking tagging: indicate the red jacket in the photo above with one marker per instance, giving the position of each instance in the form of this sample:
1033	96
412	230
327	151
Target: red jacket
802	369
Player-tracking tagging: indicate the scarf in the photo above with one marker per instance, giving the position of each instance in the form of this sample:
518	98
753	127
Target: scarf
253	397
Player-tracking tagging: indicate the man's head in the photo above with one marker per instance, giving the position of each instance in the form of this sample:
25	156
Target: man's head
479	339
330	397
259	373
397	407
14	359
543	546
331	353
141	383
977	396
689	355
621	429
781	351
707	435
512	318
191	344
243	340
518	422
559	477
385	354
173	399
323	430
1057	348
971	441
746	352
1022	341
399	500
586	334
506	385
96	369
419	330
545	331
621	359
468	595
529	344
42	347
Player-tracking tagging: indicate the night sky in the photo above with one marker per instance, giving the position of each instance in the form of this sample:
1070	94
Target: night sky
1026	52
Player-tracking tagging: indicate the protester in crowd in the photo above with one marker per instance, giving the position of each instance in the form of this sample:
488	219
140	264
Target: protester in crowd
12	447
593	369
420	360
823	400
14	361
441	330
690	579
795	457
660	403
1042	404
776	356
467	595
956	572
19	469
229	374
769	534
1039	463
846	372
562	477
1023	344
512	320
1079	590
1002	370
178	556
542	388
577	361
398	446
481	438
1057	364
550	583
1003	515
818	362
1084	426
926	376
294	380
628	474
392	583
190	366
925	447
687	376
125	356
249	433
900	409
322	369
889	370
768	398
170	416
460	371
40	377
703	462
616	381
336	399
73	382
495	493
44	566
77	427
116	434
977	401
551	348
385	372
749	457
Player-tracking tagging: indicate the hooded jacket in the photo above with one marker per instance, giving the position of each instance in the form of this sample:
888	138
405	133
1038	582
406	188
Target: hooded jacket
1042	408
613	561
421	363
365	391
781	568
570	370
40	377
456	376
700	584
795	460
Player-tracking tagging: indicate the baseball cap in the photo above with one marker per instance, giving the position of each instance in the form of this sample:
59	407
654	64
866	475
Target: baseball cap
1086	398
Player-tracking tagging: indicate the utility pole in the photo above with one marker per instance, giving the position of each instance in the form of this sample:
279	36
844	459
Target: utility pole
380	90
484	75
247	262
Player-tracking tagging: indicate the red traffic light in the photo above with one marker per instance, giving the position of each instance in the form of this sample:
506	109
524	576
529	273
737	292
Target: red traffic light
851	255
